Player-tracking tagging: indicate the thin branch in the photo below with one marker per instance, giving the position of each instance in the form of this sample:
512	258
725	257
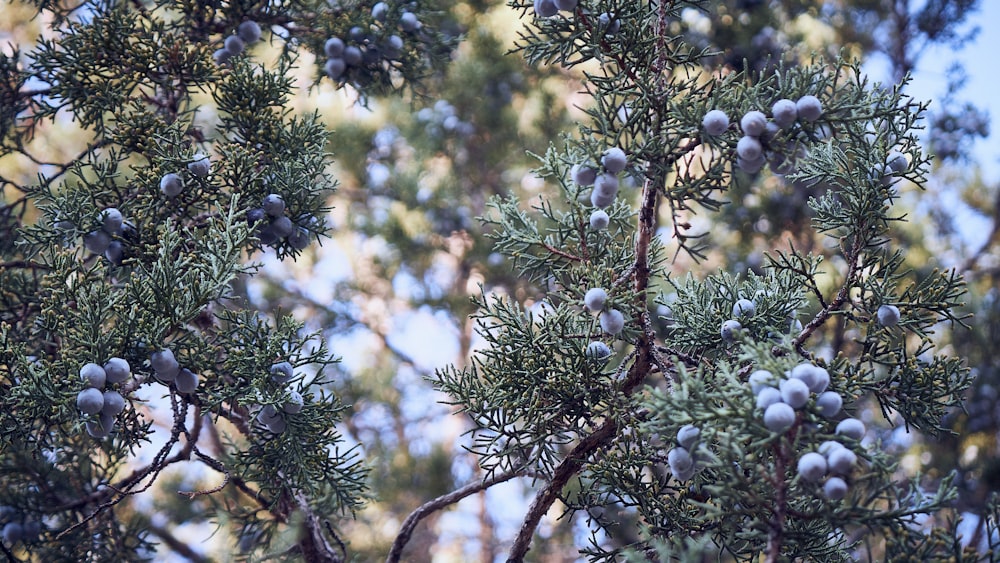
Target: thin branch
440	502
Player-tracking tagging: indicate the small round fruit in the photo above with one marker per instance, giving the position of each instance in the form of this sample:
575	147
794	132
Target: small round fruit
597	350
94	375
380	11
594	299
815	377
268	414
744	307
852	428
90	401
767	397
249	31
171	185
609	23
299	239
115	253
730	330
117	370
164	364
612	321
282	226
234	44
896	162
583	175
715	122
96	241
13	532
393	47
888	315
409	22
841	461
680	460
221	57
605	190
114	403
614	160
566	5
688	436
267	235
812	467
200	165
784	112
282	372
794	392
277	426
599	220
273	205
753	122
335	68
779	417
749	149
353	56
255	216
828	447
835	488
761	379
186	381
809	108
294	403
111	220
829	403
334	47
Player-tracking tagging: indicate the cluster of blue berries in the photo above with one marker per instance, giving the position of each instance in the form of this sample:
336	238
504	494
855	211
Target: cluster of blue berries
758	132
95	400
104	239
368	47
172	184
683	459
612	320
274	225
605	183
606	22
247	33
731	328
270	416
168	370
16	528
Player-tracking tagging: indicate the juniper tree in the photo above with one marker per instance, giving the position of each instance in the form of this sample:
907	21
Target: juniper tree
127	345
610	438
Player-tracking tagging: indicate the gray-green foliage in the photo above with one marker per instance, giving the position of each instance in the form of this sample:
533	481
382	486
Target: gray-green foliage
595	435
147	101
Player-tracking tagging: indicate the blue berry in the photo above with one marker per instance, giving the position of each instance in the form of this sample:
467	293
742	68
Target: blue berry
715	122
595	299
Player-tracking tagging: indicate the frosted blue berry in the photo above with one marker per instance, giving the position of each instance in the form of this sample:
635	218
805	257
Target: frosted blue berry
566	5
114	403
334	47
221	57
609	23
612	321
299	239
164	364
815	377
294	403
353	56
393	47
896	162
583	175
335	68
380	11
267	235
829	403
117	370
599	220
812	467
753	122
273	205
268	414
234	44
680	460
594	299
277	426
282	372
730	330
767	397
13	532
90	401
852	428
828	447
784	112
249	31
715	122
597	350
809	108
749	149
794	392
96	241
93	375
841	461
779	417
409	22
688	436
888	315
760	380
171	185
200	165
186	381
282	226
614	160
115	253
835	488
111	220
744	307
